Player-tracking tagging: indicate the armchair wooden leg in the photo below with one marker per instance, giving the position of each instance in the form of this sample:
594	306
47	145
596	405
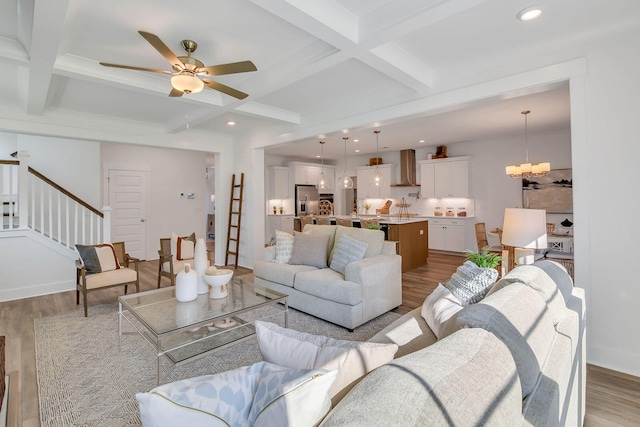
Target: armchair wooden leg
159	272
77	296
125	289
84	298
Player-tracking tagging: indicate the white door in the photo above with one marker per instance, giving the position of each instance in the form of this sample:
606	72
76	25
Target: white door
128	202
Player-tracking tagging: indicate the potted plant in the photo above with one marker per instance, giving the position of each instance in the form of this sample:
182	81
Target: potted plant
484	258
274	210
281	209
373	226
367	206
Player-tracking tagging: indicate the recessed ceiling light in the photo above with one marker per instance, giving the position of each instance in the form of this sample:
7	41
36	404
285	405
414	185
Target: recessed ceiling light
231	122
357	151
529	13
421	141
356	140
317	157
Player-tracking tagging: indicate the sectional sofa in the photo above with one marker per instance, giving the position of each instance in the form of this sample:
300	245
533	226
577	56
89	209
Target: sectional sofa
515	358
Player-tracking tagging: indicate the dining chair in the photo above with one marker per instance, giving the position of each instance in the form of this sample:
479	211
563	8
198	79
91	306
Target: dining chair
344	222
304	220
483	242
323	220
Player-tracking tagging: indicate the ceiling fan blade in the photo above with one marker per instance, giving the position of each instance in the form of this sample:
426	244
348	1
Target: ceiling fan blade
210	84
175	93
232	68
162	48
129	67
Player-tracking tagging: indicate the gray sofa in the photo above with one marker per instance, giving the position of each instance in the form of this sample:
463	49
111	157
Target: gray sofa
515	358
369	287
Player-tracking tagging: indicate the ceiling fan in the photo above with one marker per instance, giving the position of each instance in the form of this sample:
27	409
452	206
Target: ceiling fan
188	70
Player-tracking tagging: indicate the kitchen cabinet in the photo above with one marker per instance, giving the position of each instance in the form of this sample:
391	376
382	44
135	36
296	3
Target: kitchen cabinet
278	222
367	189
414	242
445	177
309	174
447	234
277	182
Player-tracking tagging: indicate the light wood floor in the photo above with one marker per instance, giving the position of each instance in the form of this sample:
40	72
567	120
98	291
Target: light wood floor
612	398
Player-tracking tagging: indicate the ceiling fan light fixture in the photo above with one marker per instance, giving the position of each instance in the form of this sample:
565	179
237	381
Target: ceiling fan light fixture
187	83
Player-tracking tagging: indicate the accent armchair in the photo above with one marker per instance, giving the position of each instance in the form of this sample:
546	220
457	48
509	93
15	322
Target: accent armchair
104	266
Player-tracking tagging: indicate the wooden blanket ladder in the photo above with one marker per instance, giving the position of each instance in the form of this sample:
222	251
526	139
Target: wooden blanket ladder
235	216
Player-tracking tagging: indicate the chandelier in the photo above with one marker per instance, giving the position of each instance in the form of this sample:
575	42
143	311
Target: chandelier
527	169
377	177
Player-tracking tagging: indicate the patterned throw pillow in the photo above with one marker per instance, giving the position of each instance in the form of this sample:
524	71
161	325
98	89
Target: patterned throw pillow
255	395
347	250
97	259
471	283
284	247
174	243
184	249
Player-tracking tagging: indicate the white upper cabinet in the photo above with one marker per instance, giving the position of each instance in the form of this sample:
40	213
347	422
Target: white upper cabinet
277	182
367	189
445	177
309	174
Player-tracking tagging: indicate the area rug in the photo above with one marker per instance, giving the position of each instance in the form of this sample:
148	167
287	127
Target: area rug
86	379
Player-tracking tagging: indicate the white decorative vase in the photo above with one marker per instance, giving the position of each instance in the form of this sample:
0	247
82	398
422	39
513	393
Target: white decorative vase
187	284
200	265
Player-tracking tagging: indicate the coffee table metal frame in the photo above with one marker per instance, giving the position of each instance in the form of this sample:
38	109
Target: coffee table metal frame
183	332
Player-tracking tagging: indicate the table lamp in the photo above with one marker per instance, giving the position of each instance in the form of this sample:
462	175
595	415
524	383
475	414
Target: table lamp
525	230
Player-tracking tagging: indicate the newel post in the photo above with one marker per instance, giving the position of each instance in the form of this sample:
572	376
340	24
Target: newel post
106	224
23	189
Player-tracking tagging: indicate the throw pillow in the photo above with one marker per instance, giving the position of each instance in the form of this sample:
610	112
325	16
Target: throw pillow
310	249
255	395
347	250
174	243
438	307
284	247
184	249
470	283
300	350
97	259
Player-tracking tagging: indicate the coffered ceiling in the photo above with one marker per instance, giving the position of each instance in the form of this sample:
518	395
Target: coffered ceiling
325	68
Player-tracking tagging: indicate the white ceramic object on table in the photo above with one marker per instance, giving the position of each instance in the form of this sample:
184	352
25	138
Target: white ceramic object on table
187	284
218	280
200	264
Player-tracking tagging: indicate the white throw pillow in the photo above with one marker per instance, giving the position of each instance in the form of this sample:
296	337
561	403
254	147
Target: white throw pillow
107	256
185	249
439	307
300	350
262	394
471	283
284	247
347	250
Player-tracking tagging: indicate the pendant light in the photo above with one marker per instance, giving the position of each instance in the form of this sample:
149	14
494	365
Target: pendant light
377	176
527	170
345	180
322	182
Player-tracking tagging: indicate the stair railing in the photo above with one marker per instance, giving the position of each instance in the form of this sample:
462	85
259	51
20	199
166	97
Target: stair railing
38	203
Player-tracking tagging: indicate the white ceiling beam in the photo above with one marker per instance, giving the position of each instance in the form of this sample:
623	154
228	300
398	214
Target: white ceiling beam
47	30
262	110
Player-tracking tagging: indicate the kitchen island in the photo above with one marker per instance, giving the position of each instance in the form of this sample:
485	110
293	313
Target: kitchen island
412	235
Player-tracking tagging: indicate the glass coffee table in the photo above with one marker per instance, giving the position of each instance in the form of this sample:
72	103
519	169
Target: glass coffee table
185	331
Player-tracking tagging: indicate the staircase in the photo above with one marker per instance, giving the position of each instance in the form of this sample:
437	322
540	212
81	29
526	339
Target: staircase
41	224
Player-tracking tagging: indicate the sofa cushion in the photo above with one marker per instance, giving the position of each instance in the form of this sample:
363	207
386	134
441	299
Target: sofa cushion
347	250
410	332
438	307
373	238
328	230
255	395
328	285
538	280
113	277
310	249
284	274
519	317
284	247
558	274
446	384
300	350
470	283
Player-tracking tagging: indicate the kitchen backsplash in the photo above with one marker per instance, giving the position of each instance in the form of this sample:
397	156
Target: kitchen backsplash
451	207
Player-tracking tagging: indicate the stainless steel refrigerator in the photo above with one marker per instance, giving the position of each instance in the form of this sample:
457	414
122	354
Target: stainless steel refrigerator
307	198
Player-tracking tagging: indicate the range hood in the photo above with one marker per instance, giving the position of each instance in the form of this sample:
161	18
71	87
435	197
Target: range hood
407	169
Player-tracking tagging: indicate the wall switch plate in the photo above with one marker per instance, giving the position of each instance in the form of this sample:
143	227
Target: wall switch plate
191	195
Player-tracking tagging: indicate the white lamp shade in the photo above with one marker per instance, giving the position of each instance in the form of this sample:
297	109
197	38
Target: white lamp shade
525	228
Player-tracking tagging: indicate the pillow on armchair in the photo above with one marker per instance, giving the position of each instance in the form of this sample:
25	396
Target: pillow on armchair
98	258
182	247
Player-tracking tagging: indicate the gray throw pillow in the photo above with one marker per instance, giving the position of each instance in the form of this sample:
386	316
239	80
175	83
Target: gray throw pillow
310	249
347	250
470	283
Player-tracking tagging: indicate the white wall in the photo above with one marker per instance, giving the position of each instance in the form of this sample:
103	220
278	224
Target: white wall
171	173
8	145
606	197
